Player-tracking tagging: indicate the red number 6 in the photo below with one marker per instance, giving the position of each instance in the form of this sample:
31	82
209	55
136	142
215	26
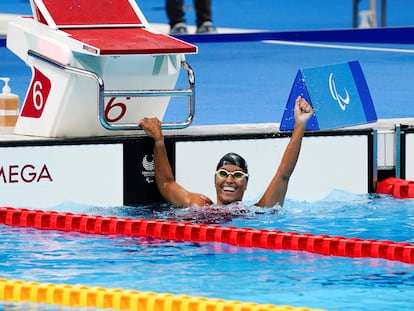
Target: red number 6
109	107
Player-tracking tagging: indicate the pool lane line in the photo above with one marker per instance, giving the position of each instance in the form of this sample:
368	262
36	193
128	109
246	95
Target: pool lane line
389	35
185	231
341	46
118	299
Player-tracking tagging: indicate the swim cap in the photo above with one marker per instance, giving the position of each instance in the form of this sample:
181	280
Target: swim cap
232	158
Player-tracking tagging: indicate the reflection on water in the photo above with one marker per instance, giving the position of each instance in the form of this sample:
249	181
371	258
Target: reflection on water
216	214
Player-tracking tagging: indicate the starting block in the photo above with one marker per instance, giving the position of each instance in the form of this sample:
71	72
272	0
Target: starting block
339	96
97	68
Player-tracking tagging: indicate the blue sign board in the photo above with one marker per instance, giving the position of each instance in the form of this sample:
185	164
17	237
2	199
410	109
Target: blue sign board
339	96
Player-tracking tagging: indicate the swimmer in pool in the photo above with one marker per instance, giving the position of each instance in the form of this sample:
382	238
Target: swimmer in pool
231	174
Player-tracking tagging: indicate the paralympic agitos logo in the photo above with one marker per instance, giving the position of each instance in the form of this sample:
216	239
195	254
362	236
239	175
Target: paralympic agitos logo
26	173
343	100
148	168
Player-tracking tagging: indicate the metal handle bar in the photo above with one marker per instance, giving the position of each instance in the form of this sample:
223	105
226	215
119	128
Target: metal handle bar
102	93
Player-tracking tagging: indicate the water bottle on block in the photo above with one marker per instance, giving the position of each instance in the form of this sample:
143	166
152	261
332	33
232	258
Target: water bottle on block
338	93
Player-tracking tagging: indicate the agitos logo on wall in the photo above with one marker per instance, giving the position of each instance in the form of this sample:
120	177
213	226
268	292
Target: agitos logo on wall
27	173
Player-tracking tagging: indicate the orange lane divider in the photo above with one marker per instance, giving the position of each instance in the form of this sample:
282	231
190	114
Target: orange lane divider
118	299
182	231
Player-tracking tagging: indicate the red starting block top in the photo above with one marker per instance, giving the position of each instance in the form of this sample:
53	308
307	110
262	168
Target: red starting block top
107	27
66	13
115	41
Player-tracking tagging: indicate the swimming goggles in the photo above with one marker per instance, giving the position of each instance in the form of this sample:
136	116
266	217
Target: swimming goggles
237	175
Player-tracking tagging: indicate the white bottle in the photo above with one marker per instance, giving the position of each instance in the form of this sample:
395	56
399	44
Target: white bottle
9	107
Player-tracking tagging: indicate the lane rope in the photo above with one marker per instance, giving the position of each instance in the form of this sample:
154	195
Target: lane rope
118	299
183	231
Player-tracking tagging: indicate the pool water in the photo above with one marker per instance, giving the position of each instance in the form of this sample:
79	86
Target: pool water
217	270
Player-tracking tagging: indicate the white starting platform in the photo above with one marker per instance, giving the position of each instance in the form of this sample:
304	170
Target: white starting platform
97	68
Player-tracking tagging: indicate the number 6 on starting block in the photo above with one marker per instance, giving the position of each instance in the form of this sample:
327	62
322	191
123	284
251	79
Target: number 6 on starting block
338	94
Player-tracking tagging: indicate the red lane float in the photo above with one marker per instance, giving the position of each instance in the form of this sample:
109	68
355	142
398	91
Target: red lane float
182	231
398	188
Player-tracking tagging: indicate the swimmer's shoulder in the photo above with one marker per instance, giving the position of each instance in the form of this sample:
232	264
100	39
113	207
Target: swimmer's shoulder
198	199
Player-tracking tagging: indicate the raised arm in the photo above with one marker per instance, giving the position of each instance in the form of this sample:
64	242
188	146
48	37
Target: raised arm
171	191
276	191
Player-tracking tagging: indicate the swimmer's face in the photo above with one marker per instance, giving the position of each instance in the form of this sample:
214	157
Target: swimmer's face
230	183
